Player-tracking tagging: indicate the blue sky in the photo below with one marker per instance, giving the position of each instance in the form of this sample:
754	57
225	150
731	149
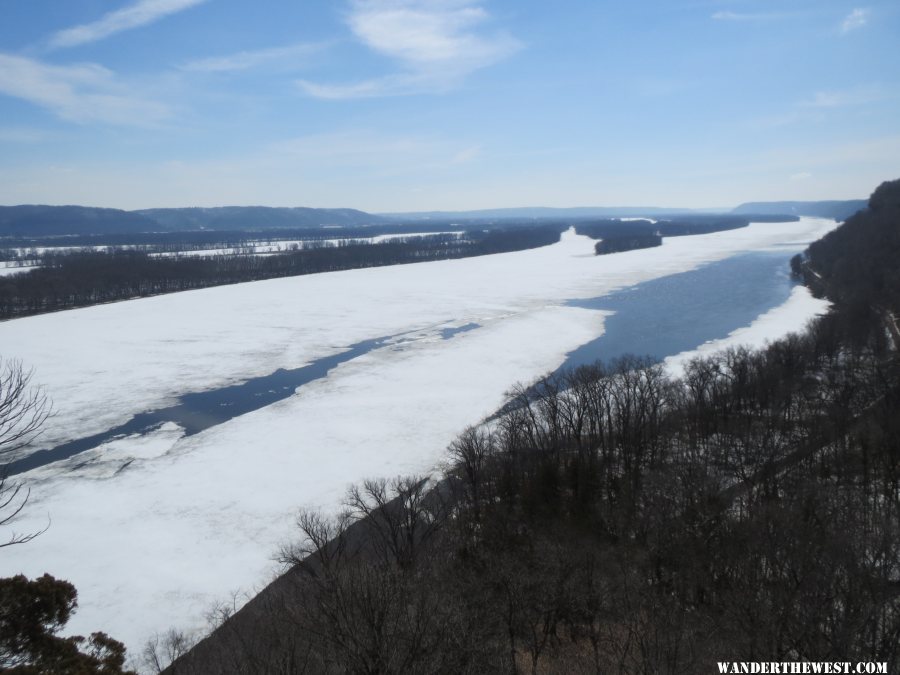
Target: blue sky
398	105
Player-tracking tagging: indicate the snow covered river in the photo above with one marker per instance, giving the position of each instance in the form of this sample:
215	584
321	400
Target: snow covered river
659	318
156	522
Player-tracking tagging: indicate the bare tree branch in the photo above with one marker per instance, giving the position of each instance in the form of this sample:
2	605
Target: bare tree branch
24	408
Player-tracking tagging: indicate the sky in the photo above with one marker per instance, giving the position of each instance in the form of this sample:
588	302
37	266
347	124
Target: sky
409	105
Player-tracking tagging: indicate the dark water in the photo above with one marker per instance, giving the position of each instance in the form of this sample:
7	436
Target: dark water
676	313
195	412
447	333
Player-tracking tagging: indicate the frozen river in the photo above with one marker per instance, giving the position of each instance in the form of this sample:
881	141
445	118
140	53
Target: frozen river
659	318
156	522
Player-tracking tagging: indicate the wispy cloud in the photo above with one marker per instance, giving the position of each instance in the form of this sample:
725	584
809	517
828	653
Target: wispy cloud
861	95
138	14
880	153
79	93
818	107
780	119
23	135
291	56
801	176
364	168
466	155
858	18
437	43
748	16
390	85
352	147
661	87
375	152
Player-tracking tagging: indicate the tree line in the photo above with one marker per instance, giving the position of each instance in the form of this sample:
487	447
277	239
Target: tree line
220	238
618	235
77	280
627	243
615	518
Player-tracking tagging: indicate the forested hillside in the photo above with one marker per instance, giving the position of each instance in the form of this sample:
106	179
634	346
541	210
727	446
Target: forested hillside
65	220
617	519
858	264
33	221
256	218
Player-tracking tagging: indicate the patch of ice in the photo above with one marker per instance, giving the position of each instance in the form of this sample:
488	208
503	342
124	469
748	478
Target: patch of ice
114	456
286	245
10	271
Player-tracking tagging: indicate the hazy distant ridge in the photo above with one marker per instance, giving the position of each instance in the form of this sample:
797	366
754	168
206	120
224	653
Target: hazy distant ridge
33	220
30	220
62	220
256	217
839	210
539	212
823	209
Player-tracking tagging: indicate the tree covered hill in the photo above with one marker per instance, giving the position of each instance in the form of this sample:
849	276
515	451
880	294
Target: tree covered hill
859	263
30	220
42	220
256	218
33	220
839	210
538	212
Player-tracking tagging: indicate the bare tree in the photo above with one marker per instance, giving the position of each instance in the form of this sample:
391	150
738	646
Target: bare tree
401	515
161	651
23	410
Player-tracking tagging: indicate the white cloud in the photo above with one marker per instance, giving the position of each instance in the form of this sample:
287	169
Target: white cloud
858	18
140	13
79	93
436	42
467	154
390	85
848	97
423	34
803	175
292	55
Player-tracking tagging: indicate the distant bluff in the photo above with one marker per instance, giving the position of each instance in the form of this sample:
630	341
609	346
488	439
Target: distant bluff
39	220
